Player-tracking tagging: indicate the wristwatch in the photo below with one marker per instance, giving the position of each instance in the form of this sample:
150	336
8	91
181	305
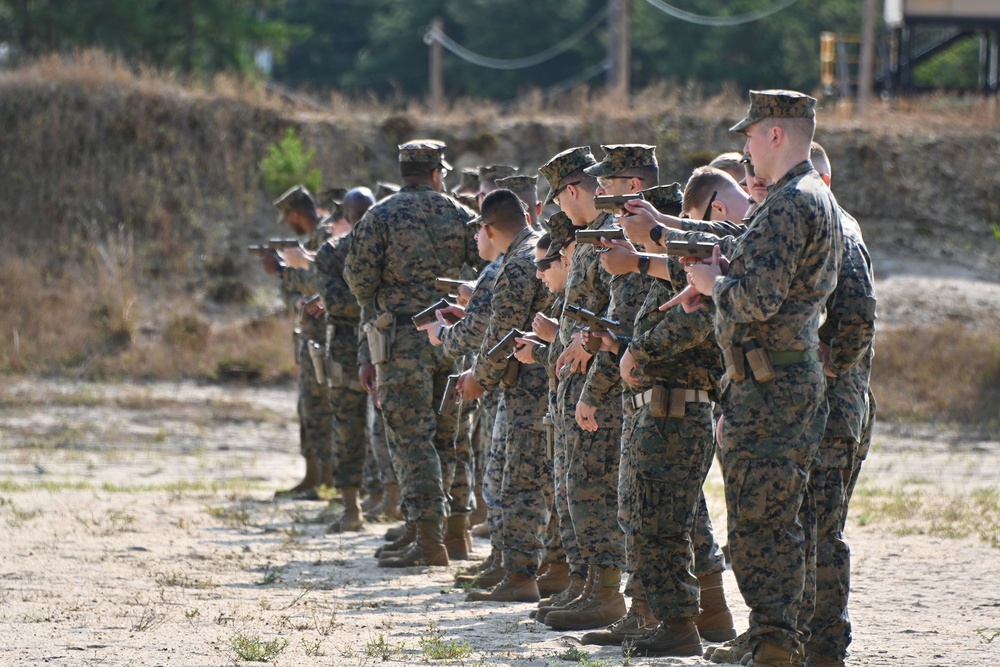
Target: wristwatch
655	234
643	265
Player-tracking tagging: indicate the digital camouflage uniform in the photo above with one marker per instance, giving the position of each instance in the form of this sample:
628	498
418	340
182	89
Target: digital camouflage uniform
665	460
849	331
525	493
397	249
592	457
462	341
378	437
782	270
315	413
347	397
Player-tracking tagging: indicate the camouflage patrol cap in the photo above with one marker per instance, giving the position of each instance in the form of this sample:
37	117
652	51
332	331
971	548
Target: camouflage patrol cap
776	104
383	190
665	198
564	164
470	182
619	158
294	198
430	151
495	172
521	184
561	231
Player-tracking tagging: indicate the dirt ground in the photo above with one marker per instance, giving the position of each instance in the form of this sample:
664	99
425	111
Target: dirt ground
140	530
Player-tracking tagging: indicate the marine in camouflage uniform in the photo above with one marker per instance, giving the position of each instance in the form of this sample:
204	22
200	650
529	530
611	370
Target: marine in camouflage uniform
782	271
525	493
315	414
397	250
592	456
462	341
848	333
347	397
670	545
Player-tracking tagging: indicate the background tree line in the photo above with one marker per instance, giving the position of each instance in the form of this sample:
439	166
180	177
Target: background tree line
377	45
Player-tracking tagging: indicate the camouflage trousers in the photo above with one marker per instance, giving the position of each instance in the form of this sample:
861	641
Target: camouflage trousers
493	475
770	435
663	510
378	464
526	489
315	414
554	551
462	498
422	442
560	472
349	408
592	485
832	481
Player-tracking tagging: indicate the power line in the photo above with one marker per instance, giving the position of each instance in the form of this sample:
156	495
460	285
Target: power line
433	35
719	21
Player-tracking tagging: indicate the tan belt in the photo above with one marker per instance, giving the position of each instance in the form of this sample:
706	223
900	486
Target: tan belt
690	396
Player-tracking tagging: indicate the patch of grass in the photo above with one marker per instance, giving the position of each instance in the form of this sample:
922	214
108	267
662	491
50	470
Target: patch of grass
255	649
974	514
313	649
148	618
232	516
184	580
18	517
573	654
272	575
381	648
436	647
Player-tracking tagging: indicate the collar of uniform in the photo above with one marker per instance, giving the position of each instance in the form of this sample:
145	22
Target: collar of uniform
418	187
519	239
799	170
600	220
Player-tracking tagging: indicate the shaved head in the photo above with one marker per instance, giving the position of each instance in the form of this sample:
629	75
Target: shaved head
356	202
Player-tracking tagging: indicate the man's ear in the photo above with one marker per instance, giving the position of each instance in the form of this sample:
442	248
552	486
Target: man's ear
826	179
777	135
538	209
721	208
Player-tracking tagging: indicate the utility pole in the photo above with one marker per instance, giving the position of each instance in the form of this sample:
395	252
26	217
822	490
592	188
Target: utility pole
867	60
436	64
619	49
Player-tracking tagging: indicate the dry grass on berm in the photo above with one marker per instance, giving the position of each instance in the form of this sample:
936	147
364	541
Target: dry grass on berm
939	373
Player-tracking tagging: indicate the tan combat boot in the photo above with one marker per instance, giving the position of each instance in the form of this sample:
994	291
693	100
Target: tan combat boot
455	537
637	622
485	575
568	598
388	509
372	501
771	655
428	549
478	515
554	579
674	637
513	588
305	488
407	536
350	521
818	661
715	622
605	606
732	652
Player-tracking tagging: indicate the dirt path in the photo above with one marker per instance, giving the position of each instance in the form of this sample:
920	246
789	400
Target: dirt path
140	531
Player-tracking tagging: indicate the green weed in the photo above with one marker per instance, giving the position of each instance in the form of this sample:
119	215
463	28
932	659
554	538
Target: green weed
255	649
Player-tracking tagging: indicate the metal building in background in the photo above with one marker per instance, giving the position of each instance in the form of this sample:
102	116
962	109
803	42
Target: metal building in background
920	29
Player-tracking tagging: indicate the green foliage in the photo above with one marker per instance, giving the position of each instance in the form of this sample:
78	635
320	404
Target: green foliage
255	649
436	647
955	67
189	35
288	164
996	237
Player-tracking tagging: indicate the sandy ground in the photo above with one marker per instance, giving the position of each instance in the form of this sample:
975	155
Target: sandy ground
139	530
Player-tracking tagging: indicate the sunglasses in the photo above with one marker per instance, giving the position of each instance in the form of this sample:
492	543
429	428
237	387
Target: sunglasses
560	189
545	263
708	209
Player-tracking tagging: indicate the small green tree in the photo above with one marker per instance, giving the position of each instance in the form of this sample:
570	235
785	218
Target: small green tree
288	164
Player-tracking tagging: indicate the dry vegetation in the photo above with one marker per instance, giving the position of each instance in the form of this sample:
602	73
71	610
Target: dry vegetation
128	195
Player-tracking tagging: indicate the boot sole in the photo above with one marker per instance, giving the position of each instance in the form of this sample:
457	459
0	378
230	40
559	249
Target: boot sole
717	635
675	652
